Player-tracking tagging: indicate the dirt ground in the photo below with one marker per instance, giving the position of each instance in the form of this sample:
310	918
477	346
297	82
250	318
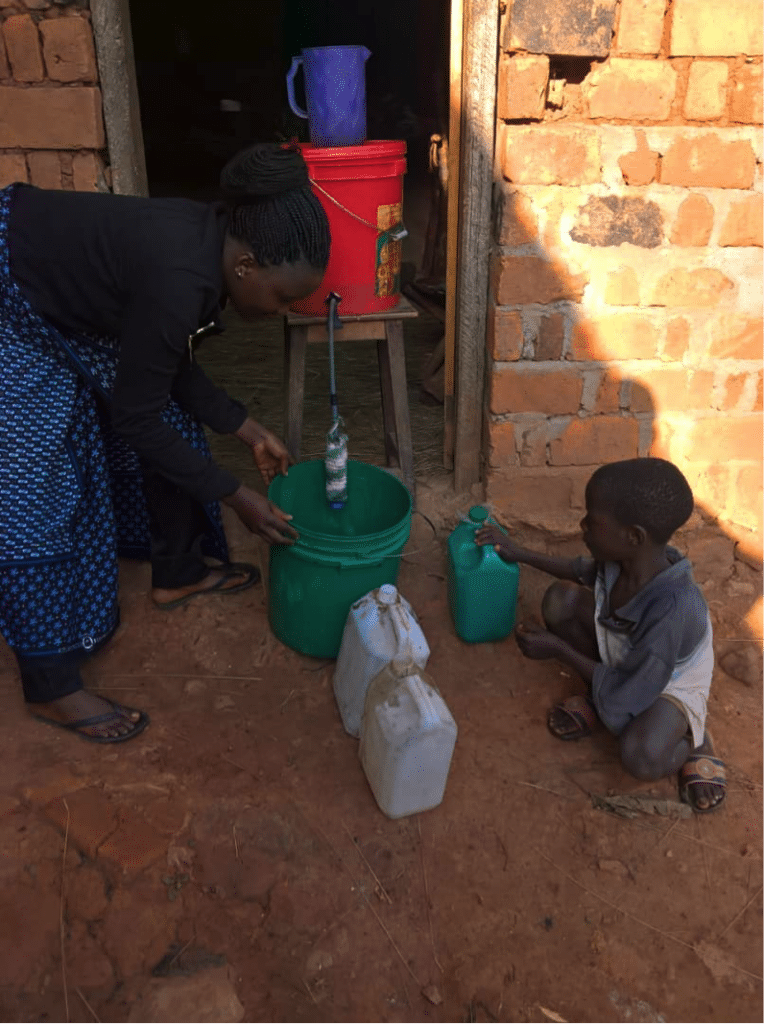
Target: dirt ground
239	830
236	845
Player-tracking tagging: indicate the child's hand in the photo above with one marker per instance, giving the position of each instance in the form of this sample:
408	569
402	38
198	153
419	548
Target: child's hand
536	642
499	541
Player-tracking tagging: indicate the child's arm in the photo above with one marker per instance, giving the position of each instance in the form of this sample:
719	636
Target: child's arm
506	548
536	642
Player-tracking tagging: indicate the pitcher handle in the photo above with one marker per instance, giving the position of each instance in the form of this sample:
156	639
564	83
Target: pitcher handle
296	64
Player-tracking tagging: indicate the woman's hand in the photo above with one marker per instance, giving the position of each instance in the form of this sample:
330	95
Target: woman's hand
261	516
270	454
271	457
500	543
536	642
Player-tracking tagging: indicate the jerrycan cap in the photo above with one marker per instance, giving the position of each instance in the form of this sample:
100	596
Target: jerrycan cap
387	594
478	514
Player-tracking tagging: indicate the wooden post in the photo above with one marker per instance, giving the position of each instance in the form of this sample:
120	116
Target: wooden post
481	27
452	242
116	70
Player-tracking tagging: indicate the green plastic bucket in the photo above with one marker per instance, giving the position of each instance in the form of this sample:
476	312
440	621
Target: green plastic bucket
340	556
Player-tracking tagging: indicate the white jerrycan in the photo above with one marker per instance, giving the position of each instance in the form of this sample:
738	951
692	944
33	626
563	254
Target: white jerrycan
407	740
380	628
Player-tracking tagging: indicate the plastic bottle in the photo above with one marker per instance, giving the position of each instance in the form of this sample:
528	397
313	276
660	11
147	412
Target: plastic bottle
407	741
482	587
380	628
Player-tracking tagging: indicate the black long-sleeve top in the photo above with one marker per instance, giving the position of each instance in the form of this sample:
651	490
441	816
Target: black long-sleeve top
148	271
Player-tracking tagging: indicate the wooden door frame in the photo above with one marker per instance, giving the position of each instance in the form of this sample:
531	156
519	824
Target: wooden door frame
113	36
472	134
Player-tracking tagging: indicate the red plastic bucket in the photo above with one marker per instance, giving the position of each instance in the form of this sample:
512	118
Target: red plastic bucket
361	189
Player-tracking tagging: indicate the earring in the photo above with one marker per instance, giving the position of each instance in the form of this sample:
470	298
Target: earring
240	273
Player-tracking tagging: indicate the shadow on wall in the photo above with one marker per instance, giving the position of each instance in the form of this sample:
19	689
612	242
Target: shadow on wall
561	400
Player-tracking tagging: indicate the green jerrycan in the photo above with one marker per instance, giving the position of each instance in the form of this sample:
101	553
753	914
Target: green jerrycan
482	587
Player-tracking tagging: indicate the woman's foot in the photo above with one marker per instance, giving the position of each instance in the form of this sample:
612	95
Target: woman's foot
225	579
92	717
573	719
702	779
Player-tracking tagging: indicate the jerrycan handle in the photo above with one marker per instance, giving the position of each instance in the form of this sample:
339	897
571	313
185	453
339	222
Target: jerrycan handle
402	634
486	550
428	714
487	553
296	65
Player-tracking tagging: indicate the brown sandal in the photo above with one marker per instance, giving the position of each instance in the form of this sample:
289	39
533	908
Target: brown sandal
581	711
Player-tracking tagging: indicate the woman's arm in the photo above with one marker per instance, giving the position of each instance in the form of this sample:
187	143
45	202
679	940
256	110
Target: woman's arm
261	516
195	392
153	343
151	350
193	389
270	455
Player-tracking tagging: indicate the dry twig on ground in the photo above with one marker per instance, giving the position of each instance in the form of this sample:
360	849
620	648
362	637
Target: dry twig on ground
427	896
90	1009
61	912
633	917
380	922
740	913
381	887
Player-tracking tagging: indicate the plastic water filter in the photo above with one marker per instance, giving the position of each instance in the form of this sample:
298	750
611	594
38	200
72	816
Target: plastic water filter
336	460
407	741
380	628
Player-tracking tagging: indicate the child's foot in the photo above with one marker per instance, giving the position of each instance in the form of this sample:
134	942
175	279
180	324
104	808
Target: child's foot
702	779
573	719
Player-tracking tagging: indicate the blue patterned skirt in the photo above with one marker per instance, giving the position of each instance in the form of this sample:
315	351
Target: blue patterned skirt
71	494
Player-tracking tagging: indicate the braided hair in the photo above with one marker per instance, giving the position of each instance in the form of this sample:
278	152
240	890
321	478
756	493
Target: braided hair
651	493
272	207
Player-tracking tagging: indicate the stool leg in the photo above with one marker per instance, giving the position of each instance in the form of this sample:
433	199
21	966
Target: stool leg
395	400
295	344
388	406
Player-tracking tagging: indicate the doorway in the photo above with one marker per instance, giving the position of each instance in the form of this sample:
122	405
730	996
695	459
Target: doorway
209	86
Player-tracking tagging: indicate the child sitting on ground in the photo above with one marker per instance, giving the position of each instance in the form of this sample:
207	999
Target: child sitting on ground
634	624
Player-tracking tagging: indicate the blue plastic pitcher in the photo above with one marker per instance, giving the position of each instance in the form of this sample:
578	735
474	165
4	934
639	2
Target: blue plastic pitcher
335	90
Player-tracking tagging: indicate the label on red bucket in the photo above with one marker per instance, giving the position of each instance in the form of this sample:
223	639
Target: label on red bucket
388	276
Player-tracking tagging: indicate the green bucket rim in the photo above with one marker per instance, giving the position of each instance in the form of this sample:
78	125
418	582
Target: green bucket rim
367	541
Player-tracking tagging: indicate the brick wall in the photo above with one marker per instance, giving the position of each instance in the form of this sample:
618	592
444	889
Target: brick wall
625	310
51	122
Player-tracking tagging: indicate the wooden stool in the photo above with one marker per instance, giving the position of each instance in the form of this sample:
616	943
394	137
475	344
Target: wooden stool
387	329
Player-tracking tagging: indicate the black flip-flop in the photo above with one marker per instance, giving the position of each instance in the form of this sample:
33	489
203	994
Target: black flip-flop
699	770
118	710
230	570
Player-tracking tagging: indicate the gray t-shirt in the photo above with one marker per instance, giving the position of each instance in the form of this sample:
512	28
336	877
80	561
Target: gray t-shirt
664	624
